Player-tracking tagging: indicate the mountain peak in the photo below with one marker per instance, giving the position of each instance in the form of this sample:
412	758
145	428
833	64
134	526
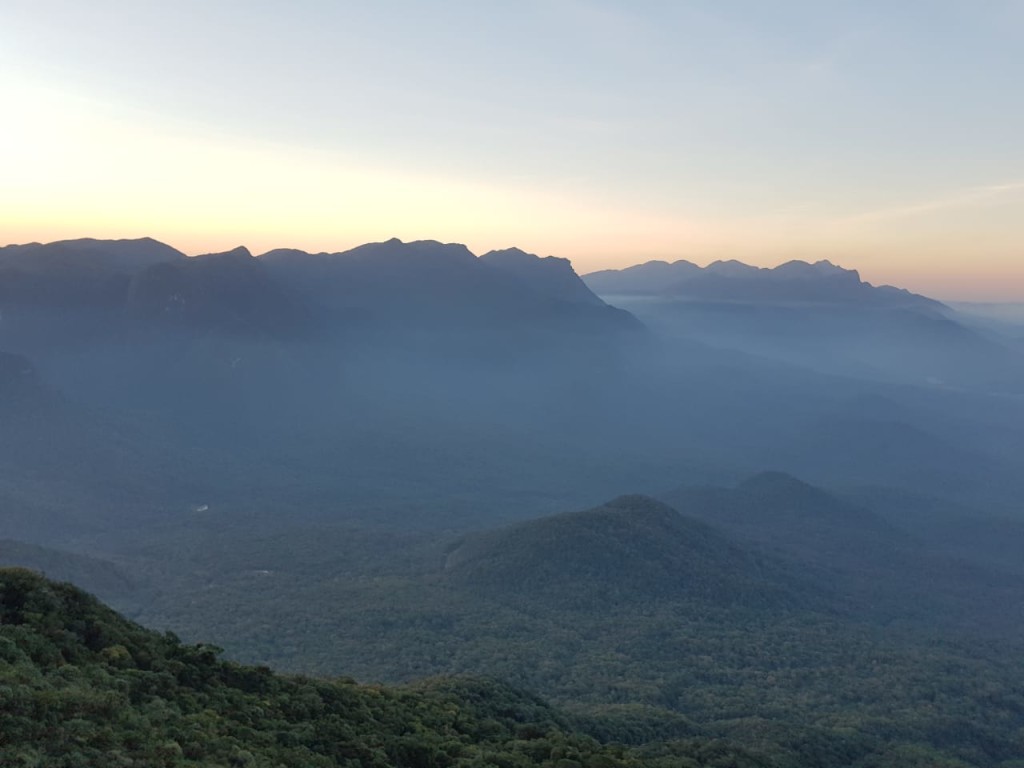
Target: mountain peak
512	256
640	278
395	249
239	253
631	548
637	505
550	276
731	268
803	270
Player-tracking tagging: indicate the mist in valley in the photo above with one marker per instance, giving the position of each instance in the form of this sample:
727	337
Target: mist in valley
407	460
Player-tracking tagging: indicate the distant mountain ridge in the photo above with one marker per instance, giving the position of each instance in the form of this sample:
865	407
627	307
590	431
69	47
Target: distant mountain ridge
445	283
87	253
818	315
140	283
794	281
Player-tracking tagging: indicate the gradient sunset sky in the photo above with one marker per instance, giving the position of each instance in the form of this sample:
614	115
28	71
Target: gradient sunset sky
885	136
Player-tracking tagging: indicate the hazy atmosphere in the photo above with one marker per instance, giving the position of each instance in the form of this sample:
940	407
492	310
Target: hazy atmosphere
882	137
471	385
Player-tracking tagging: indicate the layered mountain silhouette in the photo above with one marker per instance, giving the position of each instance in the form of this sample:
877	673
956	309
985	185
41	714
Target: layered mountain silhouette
445	285
550	276
133	285
82	274
795	281
86	255
817	315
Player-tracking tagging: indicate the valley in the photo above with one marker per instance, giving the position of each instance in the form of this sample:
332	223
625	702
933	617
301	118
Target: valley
690	529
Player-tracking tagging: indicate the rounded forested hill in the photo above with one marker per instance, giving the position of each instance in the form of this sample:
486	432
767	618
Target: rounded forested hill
82	686
633	548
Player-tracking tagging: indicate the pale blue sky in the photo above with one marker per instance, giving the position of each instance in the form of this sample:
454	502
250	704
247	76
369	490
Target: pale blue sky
883	135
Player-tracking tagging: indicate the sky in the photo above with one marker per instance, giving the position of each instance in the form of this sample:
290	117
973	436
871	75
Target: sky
884	136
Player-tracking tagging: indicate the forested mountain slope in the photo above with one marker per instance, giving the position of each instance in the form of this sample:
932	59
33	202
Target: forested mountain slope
626	613
82	686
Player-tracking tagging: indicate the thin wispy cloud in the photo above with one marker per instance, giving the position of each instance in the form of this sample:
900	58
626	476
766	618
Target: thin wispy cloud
969	197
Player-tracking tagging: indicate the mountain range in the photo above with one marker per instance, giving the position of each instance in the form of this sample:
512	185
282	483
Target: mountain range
128	286
359	463
820	282
817	315
482	373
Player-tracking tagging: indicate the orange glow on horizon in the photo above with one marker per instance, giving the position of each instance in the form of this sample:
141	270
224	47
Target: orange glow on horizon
82	169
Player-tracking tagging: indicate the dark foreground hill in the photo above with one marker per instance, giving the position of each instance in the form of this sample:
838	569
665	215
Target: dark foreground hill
83	686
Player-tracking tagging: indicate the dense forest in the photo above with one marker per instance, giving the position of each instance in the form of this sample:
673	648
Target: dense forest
700	539
84	686
635	618
81	686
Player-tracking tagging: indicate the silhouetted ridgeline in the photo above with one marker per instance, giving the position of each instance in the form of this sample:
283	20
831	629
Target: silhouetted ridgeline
419	376
795	281
819	316
130	285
